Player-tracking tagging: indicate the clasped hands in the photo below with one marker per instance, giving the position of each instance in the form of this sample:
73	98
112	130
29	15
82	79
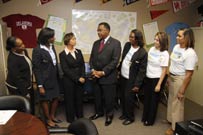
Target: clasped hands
135	89
97	74
82	80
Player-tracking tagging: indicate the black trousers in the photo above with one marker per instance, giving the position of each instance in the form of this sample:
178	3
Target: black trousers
122	93
127	98
73	96
104	98
151	100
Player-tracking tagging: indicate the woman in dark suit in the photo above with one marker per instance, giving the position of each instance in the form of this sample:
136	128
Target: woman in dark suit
132	69
19	68
73	66
44	60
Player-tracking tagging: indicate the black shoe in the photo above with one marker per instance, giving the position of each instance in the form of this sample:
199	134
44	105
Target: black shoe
146	123
143	120
127	122
108	120
96	116
56	120
52	126
122	117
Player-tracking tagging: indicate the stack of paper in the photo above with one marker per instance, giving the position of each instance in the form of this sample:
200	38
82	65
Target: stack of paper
5	115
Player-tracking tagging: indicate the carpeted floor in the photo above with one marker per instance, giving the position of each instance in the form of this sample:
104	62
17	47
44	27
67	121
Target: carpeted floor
192	111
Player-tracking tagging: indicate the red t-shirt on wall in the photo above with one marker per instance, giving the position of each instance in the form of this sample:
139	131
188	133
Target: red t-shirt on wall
24	27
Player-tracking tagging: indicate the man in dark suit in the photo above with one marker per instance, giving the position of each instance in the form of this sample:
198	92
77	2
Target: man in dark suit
104	58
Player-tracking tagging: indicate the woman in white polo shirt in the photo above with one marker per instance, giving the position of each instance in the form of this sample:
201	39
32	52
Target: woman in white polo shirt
158	59
183	62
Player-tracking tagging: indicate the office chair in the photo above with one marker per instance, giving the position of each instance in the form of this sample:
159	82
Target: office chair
82	126
14	102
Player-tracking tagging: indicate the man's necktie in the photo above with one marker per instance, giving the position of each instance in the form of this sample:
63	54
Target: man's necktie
101	45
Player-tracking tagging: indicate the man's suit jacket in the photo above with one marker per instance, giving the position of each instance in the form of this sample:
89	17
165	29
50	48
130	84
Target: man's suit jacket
72	68
106	60
138	65
18	74
44	69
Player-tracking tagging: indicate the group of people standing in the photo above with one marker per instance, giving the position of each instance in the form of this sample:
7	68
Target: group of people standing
137	69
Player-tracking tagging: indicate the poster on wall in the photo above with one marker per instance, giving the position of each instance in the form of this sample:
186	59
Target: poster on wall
150	29
180	4
59	25
85	22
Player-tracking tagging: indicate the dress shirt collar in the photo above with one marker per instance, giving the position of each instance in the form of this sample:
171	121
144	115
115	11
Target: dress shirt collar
18	54
46	48
67	51
106	39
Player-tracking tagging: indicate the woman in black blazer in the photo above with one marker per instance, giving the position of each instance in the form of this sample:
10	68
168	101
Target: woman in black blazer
73	66
19	67
44	60
19	70
132	72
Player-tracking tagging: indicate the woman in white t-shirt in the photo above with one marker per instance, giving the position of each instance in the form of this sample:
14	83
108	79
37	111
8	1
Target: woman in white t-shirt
158	59
183	62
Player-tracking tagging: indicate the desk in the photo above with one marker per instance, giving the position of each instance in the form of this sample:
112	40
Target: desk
24	124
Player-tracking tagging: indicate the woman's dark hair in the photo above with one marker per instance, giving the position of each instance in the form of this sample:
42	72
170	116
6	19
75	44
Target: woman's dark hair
10	43
44	35
138	37
67	38
106	25
189	37
163	40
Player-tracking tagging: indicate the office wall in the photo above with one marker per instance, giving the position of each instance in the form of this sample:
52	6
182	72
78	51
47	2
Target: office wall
63	8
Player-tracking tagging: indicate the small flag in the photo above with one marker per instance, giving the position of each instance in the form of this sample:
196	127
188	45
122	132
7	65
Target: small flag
128	2
105	1
156	13
157	2
44	1
4	1
77	1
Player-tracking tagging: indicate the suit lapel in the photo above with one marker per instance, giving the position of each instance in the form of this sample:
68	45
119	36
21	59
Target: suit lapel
55	54
135	55
69	57
46	55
